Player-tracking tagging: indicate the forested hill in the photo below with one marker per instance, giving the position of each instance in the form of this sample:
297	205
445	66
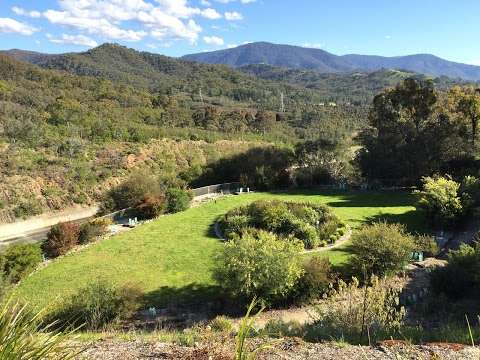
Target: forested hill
353	87
297	57
255	86
151	71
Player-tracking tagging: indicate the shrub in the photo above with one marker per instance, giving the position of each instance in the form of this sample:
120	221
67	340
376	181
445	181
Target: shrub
441	201
351	312
4	284
60	239
259	264
221	324
131	192
97	305
19	260
381	248
461	276
151	206
470	193
178	200
28	207
307	234
328	228
313	224
235	225
92	230
427	244
316	279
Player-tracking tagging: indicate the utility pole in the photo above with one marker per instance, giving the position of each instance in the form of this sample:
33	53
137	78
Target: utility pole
282	104
201	96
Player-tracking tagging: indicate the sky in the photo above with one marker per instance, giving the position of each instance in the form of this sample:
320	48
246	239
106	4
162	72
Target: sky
446	28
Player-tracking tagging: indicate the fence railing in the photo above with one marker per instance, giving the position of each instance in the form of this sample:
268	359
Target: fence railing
226	188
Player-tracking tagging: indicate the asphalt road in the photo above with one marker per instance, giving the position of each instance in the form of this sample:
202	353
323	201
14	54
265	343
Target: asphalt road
35	235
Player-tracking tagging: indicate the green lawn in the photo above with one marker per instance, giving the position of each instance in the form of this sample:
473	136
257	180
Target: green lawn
172	257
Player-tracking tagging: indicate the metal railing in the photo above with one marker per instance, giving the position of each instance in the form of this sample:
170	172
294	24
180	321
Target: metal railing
226	188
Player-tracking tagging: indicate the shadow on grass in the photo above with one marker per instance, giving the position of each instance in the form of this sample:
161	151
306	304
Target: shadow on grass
182	307
210	231
186	296
356	198
415	221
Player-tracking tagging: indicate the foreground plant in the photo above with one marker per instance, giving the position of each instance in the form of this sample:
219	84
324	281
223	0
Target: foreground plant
359	313
242	351
23	337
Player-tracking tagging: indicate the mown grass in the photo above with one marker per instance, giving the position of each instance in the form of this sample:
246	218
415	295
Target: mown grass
172	258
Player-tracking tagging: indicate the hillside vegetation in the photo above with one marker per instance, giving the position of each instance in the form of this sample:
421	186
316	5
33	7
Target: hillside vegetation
355	88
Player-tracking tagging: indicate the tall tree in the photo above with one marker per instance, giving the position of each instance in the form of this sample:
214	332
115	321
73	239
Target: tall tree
408	135
467	102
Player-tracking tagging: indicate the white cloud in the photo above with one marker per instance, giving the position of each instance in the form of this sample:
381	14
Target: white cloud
233	15
165	19
211	14
205	3
19	11
230	46
248	1
80	40
313	45
8	25
93	25
388	36
213	40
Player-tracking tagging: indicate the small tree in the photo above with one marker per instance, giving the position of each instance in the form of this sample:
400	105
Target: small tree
316	279
60	239
19	260
151	206
178	200
259	264
381	248
440	199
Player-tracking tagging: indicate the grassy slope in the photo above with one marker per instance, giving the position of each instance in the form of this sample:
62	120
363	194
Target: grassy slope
172	257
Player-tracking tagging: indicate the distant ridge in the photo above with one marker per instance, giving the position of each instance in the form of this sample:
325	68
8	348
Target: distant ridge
296	57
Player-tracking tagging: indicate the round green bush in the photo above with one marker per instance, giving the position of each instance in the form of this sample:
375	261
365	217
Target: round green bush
310	223
381	248
307	234
178	199
259	264
19	260
235	225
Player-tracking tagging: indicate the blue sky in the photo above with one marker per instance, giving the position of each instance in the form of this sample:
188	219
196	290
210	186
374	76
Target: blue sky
446	28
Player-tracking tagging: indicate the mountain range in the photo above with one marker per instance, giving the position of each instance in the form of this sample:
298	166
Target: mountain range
297	57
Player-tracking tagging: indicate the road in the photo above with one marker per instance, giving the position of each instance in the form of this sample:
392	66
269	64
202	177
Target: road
36	228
